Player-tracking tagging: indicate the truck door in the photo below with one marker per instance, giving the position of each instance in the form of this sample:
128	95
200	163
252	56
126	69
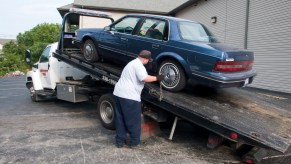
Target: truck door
43	67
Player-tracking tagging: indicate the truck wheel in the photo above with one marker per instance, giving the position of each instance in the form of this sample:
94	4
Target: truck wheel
106	106
90	51
175	79
32	93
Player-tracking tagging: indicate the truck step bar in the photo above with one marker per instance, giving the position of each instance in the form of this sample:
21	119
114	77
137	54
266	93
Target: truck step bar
45	93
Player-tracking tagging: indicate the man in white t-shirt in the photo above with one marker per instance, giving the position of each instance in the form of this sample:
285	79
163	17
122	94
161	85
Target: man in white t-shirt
127	93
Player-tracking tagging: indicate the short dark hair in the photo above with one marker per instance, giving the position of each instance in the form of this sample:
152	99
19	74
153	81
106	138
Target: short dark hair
145	54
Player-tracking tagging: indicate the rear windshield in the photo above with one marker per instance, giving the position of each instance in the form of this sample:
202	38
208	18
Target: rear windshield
192	31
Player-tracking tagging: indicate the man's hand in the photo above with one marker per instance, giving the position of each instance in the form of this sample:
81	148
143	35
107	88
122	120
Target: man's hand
160	77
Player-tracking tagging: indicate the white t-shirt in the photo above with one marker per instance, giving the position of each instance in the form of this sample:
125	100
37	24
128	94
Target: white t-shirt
131	83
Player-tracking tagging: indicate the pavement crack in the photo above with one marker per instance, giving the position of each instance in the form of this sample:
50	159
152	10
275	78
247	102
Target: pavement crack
83	151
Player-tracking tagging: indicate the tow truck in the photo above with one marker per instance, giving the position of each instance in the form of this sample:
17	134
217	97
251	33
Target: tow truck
249	121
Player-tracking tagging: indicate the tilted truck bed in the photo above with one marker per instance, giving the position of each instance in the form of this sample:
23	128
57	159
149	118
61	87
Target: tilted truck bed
258	119
252	115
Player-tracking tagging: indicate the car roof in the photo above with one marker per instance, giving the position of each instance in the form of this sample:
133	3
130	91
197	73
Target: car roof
161	16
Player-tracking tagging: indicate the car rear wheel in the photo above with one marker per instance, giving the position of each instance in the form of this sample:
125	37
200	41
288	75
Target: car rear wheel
90	51
175	79
106	106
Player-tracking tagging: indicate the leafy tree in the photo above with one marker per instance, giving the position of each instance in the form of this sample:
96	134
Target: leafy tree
35	39
10	47
12	63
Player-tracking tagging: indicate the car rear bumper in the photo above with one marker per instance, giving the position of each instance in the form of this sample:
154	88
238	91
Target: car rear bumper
223	80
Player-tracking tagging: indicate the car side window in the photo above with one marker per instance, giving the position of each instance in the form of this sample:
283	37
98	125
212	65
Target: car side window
45	54
153	28
126	25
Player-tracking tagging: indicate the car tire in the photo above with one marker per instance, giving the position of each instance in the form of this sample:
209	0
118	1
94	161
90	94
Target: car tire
106	106
175	78
90	51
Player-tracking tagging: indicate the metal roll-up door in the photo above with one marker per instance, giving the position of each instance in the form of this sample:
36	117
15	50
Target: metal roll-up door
269	36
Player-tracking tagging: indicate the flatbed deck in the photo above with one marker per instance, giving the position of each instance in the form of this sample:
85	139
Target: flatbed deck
253	116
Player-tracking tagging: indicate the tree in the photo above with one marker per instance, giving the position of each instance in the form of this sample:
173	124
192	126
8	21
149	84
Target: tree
35	39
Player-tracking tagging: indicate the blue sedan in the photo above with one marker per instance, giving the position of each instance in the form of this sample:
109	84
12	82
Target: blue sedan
184	51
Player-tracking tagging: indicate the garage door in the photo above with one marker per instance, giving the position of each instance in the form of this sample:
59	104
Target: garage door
269	36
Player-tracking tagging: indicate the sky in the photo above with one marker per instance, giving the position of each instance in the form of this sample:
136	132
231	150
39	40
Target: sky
18	16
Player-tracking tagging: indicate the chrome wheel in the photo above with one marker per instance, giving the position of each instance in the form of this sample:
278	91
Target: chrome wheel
90	51
106	112
175	79
106	107
172	75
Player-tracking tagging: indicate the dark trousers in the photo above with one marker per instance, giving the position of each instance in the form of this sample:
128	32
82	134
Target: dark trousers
127	119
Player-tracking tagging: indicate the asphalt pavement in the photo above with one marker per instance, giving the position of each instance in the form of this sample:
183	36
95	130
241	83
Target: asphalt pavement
55	131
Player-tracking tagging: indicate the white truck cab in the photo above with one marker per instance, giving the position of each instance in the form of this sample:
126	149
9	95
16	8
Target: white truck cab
48	72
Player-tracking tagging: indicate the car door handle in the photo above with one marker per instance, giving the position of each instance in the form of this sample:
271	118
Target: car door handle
124	39
155	46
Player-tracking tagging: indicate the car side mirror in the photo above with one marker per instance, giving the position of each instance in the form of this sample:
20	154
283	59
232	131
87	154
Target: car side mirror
107	28
27	58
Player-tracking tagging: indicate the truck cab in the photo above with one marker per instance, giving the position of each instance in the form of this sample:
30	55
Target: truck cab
47	72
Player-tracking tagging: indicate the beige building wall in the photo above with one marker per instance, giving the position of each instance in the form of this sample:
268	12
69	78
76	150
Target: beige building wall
230	19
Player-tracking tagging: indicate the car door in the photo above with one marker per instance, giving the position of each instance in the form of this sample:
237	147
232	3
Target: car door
114	43
152	35
43	67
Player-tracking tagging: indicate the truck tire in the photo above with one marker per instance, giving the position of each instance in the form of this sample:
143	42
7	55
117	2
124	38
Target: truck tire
106	107
32	93
90	51
175	78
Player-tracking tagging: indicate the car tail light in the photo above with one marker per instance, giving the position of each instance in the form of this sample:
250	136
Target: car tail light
232	66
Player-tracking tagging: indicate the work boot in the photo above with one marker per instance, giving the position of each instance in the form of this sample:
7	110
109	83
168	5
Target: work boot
135	146
119	145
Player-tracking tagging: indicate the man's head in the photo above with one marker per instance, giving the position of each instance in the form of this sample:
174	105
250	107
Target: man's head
145	56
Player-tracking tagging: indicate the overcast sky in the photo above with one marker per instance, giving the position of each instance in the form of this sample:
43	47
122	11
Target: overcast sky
18	16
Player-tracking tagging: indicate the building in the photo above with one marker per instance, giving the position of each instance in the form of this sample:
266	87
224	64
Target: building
120	8
260	26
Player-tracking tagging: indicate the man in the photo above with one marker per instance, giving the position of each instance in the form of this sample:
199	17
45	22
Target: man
127	93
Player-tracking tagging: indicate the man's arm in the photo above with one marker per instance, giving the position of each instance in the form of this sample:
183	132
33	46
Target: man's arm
150	78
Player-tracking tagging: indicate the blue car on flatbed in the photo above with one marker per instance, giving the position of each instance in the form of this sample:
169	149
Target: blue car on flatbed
186	52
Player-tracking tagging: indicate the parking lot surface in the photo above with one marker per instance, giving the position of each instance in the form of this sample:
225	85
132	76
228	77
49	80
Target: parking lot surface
56	131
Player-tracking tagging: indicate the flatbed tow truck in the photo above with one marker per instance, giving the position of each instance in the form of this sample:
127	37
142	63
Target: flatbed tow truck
255	123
